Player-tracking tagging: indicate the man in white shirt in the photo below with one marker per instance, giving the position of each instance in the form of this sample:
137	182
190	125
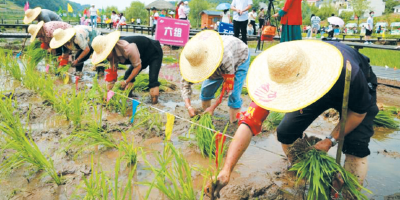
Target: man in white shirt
240	17
138	21
154	19
93	16
370	26
252	18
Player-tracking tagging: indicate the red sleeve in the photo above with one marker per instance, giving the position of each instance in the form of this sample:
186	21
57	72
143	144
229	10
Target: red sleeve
254	117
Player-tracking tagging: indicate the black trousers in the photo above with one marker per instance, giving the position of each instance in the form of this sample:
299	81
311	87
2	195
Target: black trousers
79	66
240	27
330	34
154	70
355	143
253	23
261	22
153	29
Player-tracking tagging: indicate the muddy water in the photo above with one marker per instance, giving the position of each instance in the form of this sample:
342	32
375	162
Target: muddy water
261	172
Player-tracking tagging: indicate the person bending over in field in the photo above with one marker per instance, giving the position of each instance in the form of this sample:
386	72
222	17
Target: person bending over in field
214	60
137	51
79	38
288	78
40	14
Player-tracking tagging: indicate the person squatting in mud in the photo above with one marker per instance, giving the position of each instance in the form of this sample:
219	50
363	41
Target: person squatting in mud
294	77
137	51
215	60
79	38
44	31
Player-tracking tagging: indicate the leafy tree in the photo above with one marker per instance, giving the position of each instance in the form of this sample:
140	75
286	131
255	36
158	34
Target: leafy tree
346	16
359	7
326	10
136	10
109	9
196	7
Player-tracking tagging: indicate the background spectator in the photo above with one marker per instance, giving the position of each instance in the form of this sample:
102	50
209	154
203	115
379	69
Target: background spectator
226	16
93	16
261	18
291	20
252	18
315	21
240	17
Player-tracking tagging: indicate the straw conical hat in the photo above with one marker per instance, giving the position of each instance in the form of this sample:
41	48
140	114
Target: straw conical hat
31	14
201	56
60	37
103	45
34	29
292	75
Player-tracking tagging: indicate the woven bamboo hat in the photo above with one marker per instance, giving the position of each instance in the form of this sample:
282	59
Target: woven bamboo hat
31	14
103	45
60	37
201	56
34	29
292	75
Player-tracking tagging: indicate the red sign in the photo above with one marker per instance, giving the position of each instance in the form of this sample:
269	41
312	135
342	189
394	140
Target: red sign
172	31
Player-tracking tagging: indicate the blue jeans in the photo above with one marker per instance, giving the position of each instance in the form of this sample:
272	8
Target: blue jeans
93	20
210	87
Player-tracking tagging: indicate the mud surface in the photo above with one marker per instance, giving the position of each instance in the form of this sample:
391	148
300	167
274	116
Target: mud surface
259	174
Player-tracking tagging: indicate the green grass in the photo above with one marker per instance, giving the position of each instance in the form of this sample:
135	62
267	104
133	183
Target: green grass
381	57
169	60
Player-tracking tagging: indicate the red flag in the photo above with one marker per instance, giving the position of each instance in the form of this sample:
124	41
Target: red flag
76	82
219	143
26	7
229	80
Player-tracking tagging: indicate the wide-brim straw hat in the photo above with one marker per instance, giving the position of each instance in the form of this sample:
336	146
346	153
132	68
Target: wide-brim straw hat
293	75
201	56
34	29
60	37
31	14
103	45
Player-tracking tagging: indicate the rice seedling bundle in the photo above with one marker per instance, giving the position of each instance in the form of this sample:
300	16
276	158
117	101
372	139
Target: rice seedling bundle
119	103
145	118
173	178
18	140
142	83
386	119
273	120
205	137
10	64
129	150
318	170
77	106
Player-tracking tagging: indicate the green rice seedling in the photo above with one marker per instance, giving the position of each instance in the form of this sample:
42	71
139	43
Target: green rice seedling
174	176
273	120
169	60
97	93
129	150
147	118
95	186
18	140
318	169
204	137
119	102
142	83
118	191
386	119
33	55
77	106
11	65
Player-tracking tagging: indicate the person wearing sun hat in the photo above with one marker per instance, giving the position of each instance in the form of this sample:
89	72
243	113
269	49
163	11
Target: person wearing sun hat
139	52
214	60
40	14
79	39
44	31
294	78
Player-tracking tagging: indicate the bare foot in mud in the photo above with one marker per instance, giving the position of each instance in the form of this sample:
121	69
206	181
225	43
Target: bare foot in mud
337	185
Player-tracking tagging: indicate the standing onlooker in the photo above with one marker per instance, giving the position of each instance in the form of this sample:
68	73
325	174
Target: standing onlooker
181	12
379	29
370	26
113	16
122	21
261	18
315	20
93	16
252	18
291	20
138	21
162	13
240	17
177	9
154	19
226	17
250	29
186	9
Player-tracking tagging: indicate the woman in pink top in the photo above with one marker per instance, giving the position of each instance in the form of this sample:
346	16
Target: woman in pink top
181	12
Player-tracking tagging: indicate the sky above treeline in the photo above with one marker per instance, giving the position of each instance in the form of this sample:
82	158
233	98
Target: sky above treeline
121	4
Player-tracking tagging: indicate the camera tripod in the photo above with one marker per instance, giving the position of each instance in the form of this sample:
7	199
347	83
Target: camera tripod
271	8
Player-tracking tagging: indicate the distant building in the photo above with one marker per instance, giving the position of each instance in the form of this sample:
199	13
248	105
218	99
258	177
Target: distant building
378	6
397	9
210	18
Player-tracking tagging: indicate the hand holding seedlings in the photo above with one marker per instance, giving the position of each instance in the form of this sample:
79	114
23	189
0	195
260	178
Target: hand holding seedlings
323	145
213	187
210	110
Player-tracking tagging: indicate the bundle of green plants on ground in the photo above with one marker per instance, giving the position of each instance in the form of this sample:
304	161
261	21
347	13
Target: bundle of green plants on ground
173	178
34	55
10	64
318	170
169	60
119	102
147	118
386	119
204	137
142	83
20	149
273	120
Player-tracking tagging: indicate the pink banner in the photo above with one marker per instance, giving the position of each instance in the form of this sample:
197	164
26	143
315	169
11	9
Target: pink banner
26	7
172	31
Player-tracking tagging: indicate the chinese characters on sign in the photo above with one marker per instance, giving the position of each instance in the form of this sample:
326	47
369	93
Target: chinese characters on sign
172	31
